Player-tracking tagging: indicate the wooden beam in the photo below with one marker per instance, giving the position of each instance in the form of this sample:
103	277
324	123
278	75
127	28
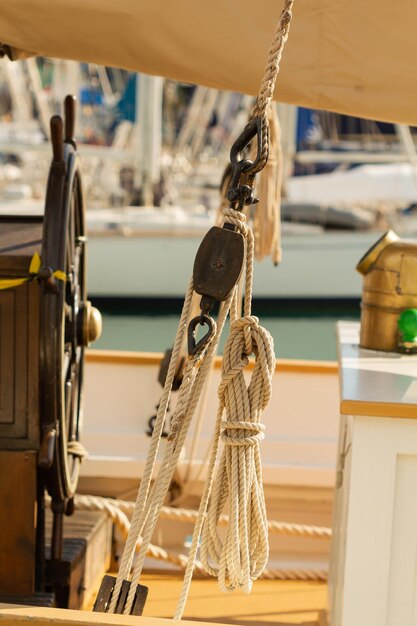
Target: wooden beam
64	617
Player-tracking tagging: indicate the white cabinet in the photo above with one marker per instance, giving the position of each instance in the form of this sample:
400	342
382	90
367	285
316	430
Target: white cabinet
373	575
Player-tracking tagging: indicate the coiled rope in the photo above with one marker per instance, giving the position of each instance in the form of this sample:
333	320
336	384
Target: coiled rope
150	499
244	554
241	558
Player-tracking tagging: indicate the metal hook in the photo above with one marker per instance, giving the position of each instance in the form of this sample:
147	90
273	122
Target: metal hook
253	129
202	320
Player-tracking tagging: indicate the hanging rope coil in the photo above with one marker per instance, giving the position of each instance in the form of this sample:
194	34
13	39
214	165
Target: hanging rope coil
243	555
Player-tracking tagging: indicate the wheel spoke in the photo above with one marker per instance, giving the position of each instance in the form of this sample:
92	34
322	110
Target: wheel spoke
69	418
66	365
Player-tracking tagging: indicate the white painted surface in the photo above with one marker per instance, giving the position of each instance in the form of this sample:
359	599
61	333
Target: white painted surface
340	512
373	578
402	590
369	376
301	425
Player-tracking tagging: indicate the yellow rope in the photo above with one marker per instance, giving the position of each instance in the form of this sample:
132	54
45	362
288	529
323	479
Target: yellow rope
34	267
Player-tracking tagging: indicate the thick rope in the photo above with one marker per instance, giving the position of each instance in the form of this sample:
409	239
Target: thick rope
189	516
118	511
267	87
77	449
138	518
266	223
150	500
246	549
242	556
187	402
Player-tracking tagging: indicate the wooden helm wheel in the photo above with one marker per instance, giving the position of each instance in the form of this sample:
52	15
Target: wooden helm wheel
63	307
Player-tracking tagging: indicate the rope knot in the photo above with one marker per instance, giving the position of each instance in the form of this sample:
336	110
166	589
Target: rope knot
237	218
242	438
248	321
247	325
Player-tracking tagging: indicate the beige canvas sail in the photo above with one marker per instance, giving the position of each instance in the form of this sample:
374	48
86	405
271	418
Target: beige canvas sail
352	56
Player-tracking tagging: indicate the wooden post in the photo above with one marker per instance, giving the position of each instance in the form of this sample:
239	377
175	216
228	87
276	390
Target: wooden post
17	523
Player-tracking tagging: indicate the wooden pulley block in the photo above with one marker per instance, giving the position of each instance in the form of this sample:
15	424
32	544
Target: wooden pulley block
218	263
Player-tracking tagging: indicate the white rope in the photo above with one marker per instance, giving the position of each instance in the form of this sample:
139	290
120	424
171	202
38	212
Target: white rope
245	550
267	87
189	516
150	500
118	510
243	555
188	398
77	449
139	514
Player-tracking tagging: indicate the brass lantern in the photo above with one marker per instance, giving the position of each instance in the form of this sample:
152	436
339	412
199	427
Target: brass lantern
389	296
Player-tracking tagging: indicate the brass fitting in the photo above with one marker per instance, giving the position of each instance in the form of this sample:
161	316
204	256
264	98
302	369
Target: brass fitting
389	269
89	324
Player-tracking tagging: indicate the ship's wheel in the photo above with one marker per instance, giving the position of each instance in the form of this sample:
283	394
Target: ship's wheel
68	321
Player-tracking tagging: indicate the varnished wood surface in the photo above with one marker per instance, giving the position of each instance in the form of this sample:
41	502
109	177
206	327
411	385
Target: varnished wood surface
277	603
86	554
154	358
19	355
17	522
378	384
20	237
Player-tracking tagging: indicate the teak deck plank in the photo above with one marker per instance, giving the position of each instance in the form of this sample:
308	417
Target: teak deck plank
278	603
272	602
65	617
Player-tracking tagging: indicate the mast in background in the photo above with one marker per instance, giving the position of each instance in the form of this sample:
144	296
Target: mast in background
148	135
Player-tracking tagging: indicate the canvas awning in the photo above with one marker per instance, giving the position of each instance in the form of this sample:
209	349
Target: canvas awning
352	56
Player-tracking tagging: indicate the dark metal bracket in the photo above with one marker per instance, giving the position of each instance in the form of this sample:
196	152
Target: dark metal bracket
105	593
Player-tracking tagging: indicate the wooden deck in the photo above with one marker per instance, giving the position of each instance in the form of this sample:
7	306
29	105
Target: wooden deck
277	603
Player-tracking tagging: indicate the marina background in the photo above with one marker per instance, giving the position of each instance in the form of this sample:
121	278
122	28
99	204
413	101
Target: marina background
300	331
